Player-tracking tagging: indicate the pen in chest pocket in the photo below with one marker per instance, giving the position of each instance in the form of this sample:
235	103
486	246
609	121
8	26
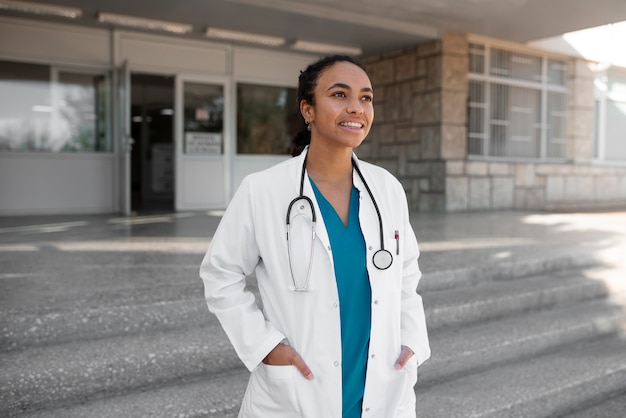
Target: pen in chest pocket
397	237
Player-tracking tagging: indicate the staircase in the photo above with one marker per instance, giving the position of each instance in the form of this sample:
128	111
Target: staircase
539	337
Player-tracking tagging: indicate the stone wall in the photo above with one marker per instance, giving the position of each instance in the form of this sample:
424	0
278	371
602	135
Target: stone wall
419	134
420	97
481	185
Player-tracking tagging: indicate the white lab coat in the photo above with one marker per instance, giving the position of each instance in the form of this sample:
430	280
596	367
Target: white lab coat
251	239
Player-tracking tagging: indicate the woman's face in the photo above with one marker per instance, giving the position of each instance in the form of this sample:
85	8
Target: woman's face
344	110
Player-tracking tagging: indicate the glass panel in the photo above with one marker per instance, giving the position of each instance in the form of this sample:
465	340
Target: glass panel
525	117
267	119
515	120
557	71
79	119
515	65
25	107
36	114
615	131
476	58
557	125
203	118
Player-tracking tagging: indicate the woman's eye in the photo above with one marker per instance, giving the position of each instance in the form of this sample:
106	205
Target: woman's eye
339	94
367	98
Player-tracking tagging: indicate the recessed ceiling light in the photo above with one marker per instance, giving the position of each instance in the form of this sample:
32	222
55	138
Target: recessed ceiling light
232	35
144	23
40	9
325	48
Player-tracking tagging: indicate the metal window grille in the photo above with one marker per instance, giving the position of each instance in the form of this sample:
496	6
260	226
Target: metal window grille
517	104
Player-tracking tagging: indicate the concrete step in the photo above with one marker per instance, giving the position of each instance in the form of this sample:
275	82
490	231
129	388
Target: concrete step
88	353
215	397
219	394
493	300
130	311
496	269
543	386
614	407
89	369
463	350
73	373
21	330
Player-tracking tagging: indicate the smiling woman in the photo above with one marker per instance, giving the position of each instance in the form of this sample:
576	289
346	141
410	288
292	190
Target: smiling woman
340	333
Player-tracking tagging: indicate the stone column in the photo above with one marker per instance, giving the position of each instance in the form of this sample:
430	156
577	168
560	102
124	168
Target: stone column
420	97
581	113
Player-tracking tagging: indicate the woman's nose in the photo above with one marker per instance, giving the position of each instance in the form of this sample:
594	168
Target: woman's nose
355	106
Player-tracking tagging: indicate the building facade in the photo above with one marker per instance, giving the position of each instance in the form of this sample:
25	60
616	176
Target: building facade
102	121
469	123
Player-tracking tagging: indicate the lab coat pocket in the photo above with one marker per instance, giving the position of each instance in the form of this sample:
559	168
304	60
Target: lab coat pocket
271	392
406	407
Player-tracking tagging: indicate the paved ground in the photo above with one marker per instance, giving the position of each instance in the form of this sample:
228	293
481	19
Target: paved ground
58	263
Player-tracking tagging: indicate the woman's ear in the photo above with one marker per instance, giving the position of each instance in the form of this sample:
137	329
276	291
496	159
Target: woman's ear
307	111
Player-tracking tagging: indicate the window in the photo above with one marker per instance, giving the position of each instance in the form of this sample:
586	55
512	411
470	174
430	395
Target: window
610	116
267	118
615	117
203	118
517	105
44	108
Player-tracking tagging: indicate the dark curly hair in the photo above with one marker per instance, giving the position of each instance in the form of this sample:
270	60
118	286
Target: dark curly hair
306	87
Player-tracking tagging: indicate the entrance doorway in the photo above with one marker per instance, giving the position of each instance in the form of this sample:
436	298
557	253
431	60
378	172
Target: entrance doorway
152	155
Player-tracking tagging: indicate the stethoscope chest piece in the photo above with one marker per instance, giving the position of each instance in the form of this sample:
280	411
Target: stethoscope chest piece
382	259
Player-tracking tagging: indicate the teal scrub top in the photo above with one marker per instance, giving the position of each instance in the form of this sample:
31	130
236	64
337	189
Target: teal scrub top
355	296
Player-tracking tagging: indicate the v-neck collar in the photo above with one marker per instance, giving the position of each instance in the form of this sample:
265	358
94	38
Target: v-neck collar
320	196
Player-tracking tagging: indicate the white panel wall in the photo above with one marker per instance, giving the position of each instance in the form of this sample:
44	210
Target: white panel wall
171	55
200	174
247	164
281	68
40	183
53	44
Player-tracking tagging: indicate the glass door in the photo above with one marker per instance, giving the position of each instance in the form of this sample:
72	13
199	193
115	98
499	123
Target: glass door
202	142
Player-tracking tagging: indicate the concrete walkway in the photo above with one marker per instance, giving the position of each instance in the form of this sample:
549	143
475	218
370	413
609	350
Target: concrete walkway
46	257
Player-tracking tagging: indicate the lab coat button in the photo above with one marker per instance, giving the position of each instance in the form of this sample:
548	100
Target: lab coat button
370	248
373	355
376	302
335	305
336	364
367	409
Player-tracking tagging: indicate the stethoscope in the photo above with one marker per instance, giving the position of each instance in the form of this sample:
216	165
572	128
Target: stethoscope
381	259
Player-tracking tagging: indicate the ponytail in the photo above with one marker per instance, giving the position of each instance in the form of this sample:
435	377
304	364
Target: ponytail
300	142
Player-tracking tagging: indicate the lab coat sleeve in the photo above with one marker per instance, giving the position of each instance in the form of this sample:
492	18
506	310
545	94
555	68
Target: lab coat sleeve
232	255
414	332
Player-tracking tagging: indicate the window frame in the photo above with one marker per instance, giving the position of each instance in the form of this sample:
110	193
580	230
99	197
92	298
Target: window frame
542	85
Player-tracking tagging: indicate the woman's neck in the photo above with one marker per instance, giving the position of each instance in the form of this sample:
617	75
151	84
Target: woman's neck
329	165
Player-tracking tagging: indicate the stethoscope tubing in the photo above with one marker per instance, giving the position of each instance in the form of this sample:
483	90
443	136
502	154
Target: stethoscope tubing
384	257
